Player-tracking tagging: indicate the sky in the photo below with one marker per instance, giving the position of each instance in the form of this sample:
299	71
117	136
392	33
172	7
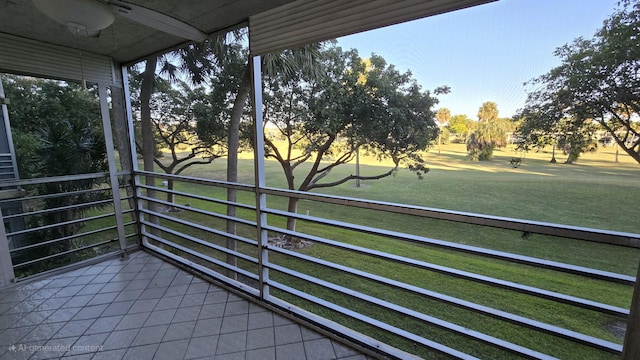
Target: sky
484	53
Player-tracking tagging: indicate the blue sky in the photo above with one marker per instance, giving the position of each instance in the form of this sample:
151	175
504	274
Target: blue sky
487	52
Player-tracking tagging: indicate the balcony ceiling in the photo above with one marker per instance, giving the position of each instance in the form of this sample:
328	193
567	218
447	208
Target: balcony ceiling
125	40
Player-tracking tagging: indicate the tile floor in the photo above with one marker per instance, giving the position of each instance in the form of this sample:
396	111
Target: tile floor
145	308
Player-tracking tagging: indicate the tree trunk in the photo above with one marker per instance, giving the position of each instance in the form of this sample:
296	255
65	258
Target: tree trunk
170	196
292	208
232	159
121	140
358	167
148	145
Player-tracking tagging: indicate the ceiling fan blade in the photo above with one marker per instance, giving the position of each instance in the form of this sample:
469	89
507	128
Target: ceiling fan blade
157	20
81	17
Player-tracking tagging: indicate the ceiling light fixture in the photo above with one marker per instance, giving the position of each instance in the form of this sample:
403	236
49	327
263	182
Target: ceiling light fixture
82	17
88	17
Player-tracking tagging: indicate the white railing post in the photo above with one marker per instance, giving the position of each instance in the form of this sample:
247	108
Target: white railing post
135	178
111	159
258	155
631	348
6	266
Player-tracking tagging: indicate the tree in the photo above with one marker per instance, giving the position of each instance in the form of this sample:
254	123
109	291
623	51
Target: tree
57	130
488	111
443	115
490	133
286	64
459	125
196	62
547	123
70	146
231	84
323	120
223	62
173	108
597	81
487	136
443	136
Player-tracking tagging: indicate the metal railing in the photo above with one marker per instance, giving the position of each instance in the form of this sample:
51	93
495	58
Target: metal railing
7	169
55	222
441	296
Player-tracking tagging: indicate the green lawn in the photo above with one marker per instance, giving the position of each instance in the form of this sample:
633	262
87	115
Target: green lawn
596	192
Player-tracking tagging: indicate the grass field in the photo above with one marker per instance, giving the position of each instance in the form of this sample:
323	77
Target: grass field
597	192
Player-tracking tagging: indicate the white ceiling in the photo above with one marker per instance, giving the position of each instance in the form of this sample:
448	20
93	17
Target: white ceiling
126	41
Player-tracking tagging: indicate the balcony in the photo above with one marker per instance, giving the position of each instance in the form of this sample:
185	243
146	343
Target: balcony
150	278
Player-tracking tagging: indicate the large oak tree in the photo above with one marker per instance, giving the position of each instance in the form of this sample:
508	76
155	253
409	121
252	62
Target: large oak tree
323	120
598	81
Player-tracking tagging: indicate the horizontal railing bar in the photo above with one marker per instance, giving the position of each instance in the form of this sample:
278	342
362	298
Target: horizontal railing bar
56	195
443	349
214	275
64	223
70	237
198	197
202	256
55	179
460	330
16	266
484	310
368	320
56	209
538	227
200	227
529	290
200	211
354	336
201	242
520	259
218	183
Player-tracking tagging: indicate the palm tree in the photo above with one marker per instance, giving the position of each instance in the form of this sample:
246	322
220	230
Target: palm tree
487	136
195	61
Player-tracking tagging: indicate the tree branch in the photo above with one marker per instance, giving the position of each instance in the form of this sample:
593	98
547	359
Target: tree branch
200	162
351	177
316	164
345	158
